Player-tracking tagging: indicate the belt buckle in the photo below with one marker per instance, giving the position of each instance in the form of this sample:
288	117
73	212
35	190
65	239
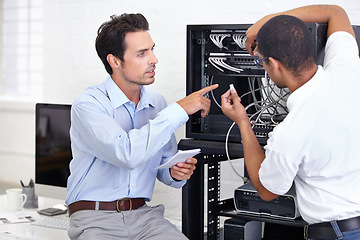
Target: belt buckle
306	231
117	204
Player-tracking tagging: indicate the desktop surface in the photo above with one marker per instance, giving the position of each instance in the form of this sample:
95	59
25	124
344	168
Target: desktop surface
28	230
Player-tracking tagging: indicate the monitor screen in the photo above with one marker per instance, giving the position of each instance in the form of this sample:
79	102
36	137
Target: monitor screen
53	146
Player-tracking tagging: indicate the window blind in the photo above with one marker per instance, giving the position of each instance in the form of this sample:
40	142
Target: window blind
22	49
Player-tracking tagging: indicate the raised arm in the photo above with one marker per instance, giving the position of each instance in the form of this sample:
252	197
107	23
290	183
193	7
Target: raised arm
334	15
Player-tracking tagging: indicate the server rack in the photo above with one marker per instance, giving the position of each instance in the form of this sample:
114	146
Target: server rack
217	54
217	59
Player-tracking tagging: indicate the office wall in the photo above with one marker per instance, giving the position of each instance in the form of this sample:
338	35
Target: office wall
71	64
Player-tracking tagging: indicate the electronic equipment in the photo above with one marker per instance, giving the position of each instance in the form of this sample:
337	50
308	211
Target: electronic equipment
217	54
52	211
239	229
248	201
52	149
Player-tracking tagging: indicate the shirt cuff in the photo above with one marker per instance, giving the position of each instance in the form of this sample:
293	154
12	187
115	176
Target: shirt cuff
175	184
168	180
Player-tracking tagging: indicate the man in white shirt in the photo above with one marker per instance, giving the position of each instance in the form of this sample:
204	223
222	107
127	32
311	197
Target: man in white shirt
316	144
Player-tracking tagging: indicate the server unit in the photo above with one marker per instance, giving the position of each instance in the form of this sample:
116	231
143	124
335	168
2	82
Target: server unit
248	201
239	229
217	54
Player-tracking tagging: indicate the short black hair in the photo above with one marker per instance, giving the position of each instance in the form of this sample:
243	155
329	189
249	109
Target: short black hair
288	40
111	35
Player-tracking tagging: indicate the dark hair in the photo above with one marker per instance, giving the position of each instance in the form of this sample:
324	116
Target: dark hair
288	40
111	35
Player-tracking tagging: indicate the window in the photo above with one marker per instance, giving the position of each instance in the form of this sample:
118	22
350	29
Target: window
22	49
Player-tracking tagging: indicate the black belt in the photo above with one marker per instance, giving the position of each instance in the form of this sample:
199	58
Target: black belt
324	230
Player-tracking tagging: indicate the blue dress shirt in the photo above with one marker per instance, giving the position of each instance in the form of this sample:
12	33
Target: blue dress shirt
116	147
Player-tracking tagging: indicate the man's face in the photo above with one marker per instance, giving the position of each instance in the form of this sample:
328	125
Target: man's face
139	62
270	71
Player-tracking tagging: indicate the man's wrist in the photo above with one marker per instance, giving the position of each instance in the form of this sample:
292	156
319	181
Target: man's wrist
176	180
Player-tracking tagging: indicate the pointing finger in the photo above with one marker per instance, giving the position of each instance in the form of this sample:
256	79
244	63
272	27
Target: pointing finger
207	89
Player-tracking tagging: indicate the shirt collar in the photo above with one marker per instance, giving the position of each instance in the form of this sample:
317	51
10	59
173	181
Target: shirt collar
145	100
118	98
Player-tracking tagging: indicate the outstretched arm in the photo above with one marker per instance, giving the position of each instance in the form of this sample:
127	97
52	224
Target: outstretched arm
196	101
334	15
253	153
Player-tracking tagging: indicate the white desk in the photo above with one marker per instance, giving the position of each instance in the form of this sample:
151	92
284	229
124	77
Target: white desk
28	231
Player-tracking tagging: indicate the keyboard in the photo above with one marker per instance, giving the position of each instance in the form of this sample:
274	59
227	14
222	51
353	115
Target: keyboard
52	222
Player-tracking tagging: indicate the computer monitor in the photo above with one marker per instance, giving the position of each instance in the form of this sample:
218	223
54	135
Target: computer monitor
53	149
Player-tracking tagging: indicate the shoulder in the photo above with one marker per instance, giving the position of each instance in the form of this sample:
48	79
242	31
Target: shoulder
92	93
94	97
341	45
341	36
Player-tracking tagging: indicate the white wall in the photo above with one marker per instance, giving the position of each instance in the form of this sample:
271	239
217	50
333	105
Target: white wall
71	63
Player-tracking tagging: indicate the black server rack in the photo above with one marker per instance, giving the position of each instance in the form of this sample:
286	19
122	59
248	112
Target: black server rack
217	54
209	49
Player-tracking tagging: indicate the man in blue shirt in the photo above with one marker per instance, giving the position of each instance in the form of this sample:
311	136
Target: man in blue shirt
120	132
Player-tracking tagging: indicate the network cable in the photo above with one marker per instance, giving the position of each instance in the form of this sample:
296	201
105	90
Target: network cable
240	40
217	39
219	62
272	104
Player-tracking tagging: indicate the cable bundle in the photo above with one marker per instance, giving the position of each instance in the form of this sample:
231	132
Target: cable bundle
240	40
272	103
217	39
219	62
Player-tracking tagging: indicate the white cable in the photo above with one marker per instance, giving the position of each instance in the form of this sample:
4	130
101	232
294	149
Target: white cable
212	93
240	40
217	39
219	62
228	156
269	103
231	68
211	60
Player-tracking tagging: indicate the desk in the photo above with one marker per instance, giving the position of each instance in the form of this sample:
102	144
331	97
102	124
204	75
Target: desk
28	231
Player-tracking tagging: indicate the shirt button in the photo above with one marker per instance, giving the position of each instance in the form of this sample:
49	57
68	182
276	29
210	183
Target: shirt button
133	185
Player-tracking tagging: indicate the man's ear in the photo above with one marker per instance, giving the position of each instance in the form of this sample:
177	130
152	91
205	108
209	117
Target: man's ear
275	65
114	62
